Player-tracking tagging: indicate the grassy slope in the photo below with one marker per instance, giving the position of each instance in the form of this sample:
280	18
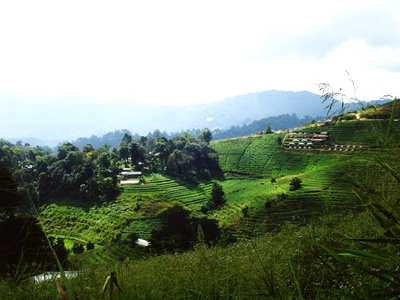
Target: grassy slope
261	156
250	162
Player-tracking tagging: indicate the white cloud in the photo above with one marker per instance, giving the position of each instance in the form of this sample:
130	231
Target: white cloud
183	51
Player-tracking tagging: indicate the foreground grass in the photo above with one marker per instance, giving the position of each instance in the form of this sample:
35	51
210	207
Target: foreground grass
288	264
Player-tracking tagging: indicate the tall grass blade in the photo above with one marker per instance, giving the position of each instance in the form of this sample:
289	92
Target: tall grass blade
389	169
380	241
115	281
60	290
104	288
346	261
360	254
296	282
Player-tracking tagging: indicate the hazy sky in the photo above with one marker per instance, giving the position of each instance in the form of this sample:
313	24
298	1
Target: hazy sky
196	51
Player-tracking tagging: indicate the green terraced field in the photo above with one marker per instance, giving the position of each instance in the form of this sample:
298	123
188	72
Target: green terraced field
320	171
135	210
250	163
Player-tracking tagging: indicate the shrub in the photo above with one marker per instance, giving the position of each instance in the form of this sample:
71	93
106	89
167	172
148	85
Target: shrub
77	249
295	184
89	245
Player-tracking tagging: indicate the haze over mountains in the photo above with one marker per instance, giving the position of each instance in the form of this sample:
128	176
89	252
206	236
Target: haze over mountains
68	119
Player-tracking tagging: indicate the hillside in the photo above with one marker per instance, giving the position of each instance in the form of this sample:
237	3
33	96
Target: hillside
287	223
258	172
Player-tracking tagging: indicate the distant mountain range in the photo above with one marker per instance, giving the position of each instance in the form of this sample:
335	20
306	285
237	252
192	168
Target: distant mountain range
50	122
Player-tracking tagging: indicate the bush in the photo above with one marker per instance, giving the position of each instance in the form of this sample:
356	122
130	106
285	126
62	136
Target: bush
295	184
89	245
217	199
77	249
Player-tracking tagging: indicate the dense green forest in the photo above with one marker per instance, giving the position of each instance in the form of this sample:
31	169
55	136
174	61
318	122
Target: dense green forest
245	217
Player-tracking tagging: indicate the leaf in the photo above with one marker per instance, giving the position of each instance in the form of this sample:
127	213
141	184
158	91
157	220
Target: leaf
114	279
360	254
344	260
385	241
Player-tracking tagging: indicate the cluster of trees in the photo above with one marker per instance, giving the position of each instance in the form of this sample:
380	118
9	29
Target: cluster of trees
186	157
92	173
89	174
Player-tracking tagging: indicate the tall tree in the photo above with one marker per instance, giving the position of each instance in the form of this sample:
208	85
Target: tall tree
206	135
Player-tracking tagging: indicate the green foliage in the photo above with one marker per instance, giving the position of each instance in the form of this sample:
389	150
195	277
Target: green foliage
77	249
217	198
205	135
89	245
295	184
9	197
268	129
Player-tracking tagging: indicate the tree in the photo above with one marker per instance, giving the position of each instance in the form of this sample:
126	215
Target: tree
295	184
205	135
87	148
143	140
137	153
217	195
65	149
77	248
123	151
127	139
217	198
9	196
268	129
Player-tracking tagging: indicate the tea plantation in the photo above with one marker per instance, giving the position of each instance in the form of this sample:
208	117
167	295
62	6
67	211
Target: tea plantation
258	171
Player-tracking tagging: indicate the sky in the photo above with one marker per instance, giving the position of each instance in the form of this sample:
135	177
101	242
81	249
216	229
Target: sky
181	52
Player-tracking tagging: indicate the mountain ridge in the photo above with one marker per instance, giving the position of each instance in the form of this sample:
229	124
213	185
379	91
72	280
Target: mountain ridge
69	119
